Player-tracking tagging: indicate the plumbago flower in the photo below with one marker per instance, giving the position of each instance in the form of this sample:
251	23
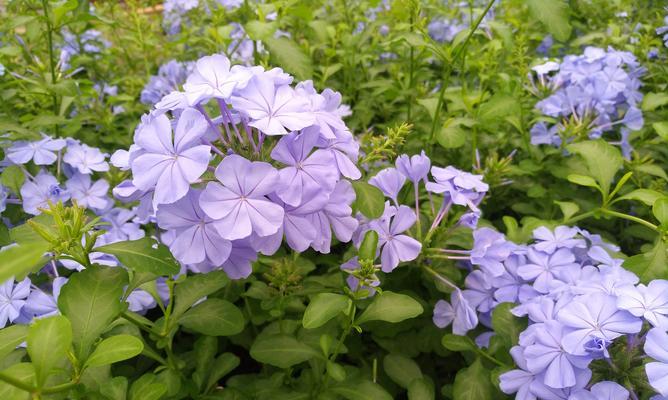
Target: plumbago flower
171	76
263	188
582	308
591	95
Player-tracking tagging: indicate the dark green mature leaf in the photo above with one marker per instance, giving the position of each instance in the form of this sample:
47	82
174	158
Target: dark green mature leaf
290	56
18	261
554	14
222	366
391	307
91	300
603	161
458	343
215	317
473	383
23	372
505	324
421	389
361	390
369	200
401	369
322	308
194	288
114	349
281	351
143	255
10	337
49	340
649	265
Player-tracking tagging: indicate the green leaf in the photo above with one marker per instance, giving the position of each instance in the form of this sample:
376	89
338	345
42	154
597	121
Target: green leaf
91	300
290	56
554	14
647	196
652	101
568	209
18	261
258	30
142	255
472	383
23	372
367	250
421	389
650	265
498	107
323	307
430	105
114	349
281	350
458	343
223	365
505	324
401	369
451	135
116	388
49	340
390	307
361	390
13	177
194	288
214	317
336	371
660	210
603	161
147	387
369	200
583	180
11	337
662	129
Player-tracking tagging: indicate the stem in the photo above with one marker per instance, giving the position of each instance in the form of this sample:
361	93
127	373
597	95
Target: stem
52	63
448	70
630	218
418	226
440	277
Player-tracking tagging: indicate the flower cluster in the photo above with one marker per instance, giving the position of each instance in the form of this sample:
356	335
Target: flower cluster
239	160
580	303
90	42
590	94
396	242
170	77
663	30
174	11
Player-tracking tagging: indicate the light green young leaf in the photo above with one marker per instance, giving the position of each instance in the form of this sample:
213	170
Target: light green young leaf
49	340
214	317
603	160
390	307
322	308
18	261
10	337
650	265
554	14
143	255
114	349
147	387
660	210
13	177
421	389
23	372
646	196
91	300
661	128
652	101
458	343
290	56
568	208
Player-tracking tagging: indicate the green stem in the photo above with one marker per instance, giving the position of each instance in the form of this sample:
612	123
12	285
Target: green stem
60	388
631	218
448	70
52	61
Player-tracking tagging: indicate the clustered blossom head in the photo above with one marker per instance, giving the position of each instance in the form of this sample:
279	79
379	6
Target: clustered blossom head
579	301
663	30
239	160
89	42
174	11
591	94
397	241
171	76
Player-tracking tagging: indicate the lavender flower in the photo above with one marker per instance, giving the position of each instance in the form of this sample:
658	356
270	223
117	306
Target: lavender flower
38	191
40	152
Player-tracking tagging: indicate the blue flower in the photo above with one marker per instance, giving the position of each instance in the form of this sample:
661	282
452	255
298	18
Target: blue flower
12	299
